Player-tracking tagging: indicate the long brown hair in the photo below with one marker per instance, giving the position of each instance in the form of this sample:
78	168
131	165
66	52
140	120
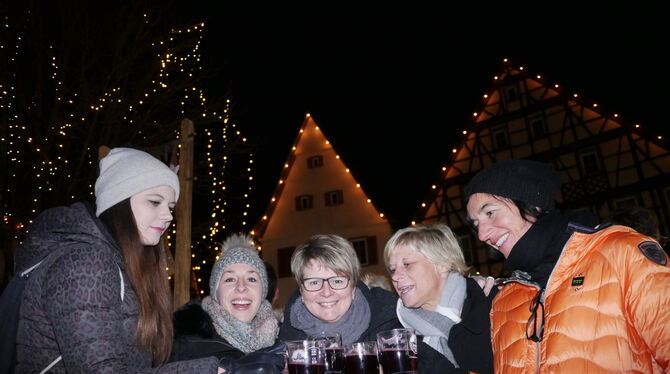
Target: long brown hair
145	266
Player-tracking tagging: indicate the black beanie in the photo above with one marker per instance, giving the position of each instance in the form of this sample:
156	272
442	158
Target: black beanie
529	181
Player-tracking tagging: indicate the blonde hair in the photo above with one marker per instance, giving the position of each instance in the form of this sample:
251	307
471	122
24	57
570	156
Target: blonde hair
436	242
377	280
332	251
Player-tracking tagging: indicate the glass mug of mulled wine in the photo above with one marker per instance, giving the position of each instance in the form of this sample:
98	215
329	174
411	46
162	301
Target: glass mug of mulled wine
306	356
397	351
361	358
334	351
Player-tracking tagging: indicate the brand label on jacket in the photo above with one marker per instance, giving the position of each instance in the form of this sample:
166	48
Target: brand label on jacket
653	252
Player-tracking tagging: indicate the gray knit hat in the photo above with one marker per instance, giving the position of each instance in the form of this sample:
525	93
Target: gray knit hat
125	172
237	249
529	181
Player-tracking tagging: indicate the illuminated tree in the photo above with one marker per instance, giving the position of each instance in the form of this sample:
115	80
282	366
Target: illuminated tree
77	75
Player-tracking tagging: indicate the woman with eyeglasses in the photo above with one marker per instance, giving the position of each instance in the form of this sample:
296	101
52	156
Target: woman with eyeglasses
579	299
331	297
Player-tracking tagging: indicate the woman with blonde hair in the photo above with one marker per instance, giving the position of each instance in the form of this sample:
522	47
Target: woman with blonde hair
448	310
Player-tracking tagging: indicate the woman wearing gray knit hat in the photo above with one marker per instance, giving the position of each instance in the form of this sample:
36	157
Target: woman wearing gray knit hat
100	300
235	319
579	299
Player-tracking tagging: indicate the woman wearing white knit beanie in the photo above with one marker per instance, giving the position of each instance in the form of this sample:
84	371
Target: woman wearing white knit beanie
100	299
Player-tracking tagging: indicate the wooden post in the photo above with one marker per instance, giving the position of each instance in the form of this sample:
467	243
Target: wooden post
182	252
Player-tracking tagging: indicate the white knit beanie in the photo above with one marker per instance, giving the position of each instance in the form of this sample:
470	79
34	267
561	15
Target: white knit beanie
237	249
125	172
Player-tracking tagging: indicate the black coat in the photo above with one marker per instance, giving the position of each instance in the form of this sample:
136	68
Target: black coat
382	314
469	341
195	335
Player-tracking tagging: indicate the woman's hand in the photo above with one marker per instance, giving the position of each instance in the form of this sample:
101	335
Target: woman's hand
486	283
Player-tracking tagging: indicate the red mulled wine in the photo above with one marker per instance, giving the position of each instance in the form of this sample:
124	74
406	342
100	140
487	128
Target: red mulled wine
334	359
300	368
396	360
361	364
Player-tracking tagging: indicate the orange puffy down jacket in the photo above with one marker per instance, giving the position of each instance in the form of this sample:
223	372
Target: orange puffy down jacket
606	310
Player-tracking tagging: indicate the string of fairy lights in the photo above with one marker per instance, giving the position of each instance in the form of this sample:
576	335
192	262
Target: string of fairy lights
424	206
45	164
216	171
217	139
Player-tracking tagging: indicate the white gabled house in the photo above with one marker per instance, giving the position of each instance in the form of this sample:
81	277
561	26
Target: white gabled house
317	194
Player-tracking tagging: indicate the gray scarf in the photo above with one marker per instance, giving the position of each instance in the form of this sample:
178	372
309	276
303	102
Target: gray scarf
261	332
350	326
435	326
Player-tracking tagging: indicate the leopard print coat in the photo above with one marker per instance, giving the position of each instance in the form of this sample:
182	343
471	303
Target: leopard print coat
72	305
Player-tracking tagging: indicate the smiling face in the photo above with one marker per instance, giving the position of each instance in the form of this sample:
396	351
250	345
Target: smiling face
417	280
152	210
497	220
240	291
327	304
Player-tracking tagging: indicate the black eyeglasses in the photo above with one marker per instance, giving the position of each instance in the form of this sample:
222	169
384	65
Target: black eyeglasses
316	284
535	324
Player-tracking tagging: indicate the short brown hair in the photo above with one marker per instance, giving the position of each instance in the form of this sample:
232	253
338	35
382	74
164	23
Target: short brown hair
331	251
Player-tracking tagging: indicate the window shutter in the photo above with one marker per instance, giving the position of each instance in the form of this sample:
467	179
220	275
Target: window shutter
372	250
284	261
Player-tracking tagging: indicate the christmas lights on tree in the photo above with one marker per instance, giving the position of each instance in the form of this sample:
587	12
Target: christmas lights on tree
73	83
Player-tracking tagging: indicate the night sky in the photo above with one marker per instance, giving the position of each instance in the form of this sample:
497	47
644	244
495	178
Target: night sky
391	87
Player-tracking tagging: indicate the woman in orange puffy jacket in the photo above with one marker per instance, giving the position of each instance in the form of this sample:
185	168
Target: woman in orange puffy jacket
579	300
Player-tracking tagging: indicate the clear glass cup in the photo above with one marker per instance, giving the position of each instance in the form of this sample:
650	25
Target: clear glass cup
306	356
361	358
334	351
397	351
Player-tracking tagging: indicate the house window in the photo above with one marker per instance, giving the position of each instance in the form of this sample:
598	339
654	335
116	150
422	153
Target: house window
303	202
366	249
500	139
625	202
334	198
590	163
284	261
466	246
511	94
315	162
538	128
